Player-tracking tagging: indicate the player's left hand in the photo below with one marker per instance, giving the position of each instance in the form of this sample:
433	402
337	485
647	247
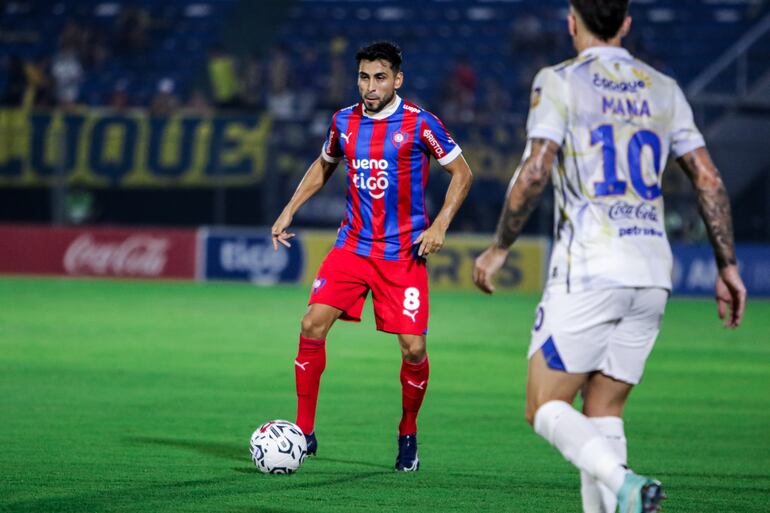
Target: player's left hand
731	296
279	233
486	266
431	240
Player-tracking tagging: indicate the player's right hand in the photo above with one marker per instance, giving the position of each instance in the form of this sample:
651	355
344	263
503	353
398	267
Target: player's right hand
730	295
486	266
279	231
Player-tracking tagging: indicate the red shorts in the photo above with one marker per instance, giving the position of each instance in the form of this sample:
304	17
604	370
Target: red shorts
399	290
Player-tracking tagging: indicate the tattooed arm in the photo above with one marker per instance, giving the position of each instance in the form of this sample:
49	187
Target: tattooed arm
528	183
713	203
714	206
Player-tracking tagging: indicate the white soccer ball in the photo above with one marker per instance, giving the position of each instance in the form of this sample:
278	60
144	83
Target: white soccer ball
278	447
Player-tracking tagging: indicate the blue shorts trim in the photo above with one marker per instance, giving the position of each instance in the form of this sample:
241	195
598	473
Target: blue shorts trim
551	355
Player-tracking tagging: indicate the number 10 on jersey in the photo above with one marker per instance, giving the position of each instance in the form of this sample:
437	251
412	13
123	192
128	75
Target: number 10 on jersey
614	186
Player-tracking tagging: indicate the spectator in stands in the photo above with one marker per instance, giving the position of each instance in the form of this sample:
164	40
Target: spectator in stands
68	75
460	94
93	52
165	102
527	34
132	30
526	72
39	90
119	98
338	74
282	104
223	77
495	103
281	99
198	103
309	91
253	82
16	82
72	36
278	71
338	82
465	76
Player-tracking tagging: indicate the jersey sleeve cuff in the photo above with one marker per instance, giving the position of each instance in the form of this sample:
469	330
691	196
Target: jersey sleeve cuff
544	132
449	157
683	148
328	158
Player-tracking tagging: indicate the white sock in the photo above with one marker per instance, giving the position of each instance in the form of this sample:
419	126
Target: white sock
597	498
580	443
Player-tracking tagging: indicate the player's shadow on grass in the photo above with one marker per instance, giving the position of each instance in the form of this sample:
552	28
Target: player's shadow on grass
255	470
218	449
142	497
357	463
232	451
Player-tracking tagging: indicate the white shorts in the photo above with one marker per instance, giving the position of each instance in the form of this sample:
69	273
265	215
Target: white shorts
608	330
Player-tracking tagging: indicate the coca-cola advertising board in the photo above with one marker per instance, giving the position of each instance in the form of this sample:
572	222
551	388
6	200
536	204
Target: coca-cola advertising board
108	252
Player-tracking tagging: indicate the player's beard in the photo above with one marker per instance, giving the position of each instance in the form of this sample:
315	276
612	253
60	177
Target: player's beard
381	105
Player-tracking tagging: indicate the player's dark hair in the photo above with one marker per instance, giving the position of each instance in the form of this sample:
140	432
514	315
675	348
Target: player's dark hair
602	17
384	50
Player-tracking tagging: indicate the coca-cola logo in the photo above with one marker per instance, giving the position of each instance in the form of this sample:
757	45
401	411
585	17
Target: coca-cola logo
138	255
643	211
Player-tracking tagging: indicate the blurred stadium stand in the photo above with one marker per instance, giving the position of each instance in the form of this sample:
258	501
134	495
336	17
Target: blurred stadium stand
470	62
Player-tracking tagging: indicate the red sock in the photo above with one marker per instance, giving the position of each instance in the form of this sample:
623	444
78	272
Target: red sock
414	382
308	367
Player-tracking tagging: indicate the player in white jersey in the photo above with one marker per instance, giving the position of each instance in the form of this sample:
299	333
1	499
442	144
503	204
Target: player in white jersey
602	125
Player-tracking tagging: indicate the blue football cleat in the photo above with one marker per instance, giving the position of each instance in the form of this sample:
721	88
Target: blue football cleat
407	460
312	444
640	494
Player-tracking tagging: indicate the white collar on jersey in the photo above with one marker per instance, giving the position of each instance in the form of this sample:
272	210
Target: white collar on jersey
387	111
605	51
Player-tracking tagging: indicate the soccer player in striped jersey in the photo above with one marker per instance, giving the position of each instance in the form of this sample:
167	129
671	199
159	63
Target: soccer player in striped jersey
386	143
602	126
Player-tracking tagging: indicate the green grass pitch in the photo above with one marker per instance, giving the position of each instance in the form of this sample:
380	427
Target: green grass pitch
139	396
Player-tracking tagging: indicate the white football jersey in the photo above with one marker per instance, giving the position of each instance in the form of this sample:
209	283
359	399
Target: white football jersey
616	120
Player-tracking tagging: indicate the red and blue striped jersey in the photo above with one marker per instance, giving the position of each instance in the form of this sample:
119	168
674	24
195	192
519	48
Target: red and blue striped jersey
387	157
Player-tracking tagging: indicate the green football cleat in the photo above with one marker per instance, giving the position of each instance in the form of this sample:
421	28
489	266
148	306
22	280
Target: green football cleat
640	494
